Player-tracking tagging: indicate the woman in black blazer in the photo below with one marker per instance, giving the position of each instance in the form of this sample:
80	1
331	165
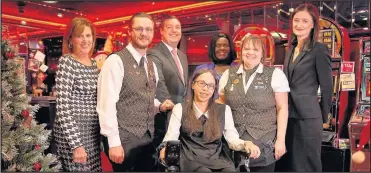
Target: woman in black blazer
307	66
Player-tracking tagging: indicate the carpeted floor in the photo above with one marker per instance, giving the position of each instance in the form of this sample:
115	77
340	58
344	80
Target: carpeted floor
106	165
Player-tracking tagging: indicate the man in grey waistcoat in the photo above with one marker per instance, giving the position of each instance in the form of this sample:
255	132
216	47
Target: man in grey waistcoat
126	100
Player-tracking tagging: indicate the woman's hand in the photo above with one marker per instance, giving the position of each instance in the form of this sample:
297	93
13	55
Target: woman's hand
252	149
79	155
280	149
162	155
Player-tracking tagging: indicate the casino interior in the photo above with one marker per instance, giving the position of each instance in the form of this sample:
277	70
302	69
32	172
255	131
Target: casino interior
36	28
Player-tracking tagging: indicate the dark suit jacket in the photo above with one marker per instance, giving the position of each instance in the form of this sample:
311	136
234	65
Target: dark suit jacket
311	69
170	85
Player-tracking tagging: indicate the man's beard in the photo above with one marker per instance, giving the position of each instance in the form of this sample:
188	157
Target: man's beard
135	44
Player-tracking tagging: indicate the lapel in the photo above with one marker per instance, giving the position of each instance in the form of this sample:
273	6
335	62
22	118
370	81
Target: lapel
171	59
287	60
297	61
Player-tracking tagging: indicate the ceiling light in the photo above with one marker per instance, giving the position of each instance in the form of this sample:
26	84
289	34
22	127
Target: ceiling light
362	11
60	15
50	2
291	10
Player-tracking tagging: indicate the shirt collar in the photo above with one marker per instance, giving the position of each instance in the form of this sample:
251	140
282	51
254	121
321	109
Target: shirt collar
169	47
135	53
259	70
198	112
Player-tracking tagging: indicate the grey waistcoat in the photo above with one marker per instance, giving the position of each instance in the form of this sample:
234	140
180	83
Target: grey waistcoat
136	101
254	111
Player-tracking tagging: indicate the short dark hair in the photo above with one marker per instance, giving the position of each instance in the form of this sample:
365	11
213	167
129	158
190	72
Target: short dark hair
167	17
314	33
140	14
212	45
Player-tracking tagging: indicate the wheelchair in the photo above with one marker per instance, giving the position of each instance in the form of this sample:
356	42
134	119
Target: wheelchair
172	157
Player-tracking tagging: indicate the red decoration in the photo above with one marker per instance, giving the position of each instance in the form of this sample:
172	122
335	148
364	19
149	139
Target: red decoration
41	76
37	147
9	55
25	114
37	167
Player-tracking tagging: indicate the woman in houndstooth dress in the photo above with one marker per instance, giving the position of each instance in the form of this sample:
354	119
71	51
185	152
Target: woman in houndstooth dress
76	128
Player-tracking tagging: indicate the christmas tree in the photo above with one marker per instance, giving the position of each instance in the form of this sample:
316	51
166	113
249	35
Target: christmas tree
23	139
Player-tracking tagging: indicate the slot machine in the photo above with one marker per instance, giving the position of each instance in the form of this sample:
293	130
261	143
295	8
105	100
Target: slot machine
361	113
337	40
335	154
255	29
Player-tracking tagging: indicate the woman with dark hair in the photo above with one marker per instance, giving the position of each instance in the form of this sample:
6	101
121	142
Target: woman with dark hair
76	129
200	123
221	53
307	67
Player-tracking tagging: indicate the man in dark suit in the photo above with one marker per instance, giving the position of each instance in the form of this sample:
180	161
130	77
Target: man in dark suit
172	68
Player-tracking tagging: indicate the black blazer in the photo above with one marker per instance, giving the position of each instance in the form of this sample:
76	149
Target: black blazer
170	85
312	68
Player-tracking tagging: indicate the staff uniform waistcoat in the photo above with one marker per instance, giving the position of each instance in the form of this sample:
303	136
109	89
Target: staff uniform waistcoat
197	152
254	111
136	101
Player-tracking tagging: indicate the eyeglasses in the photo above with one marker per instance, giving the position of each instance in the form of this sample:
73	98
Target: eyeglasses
202	84
140	30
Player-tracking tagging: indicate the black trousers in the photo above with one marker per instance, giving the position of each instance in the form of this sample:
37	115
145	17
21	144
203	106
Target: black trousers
161	124
268	168
204	169
138	152
303	143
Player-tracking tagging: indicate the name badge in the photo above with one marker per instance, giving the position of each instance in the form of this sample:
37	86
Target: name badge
259	87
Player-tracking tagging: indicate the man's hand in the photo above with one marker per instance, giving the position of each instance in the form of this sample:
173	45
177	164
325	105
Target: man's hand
280	149
162	155
166	105
79	155
116	154
252	149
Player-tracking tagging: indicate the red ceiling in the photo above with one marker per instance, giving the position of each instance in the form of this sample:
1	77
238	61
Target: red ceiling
94	11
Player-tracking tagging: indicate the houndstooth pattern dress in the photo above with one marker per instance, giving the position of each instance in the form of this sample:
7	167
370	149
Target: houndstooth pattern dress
77	122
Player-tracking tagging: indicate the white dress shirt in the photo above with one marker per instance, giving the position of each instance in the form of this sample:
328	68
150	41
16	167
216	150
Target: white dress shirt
109	87
279	81
230	133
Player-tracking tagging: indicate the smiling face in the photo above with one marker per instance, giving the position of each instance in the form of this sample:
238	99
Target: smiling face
82	43
302	24
203	87
222	48
252	52
141	32
171	31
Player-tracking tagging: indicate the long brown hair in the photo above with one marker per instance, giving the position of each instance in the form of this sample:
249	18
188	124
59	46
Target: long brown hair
313	36
212	127
75	28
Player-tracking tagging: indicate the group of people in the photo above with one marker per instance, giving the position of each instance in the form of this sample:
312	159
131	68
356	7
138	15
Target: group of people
143	97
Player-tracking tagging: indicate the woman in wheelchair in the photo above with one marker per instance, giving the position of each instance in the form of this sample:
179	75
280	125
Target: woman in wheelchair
199	123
